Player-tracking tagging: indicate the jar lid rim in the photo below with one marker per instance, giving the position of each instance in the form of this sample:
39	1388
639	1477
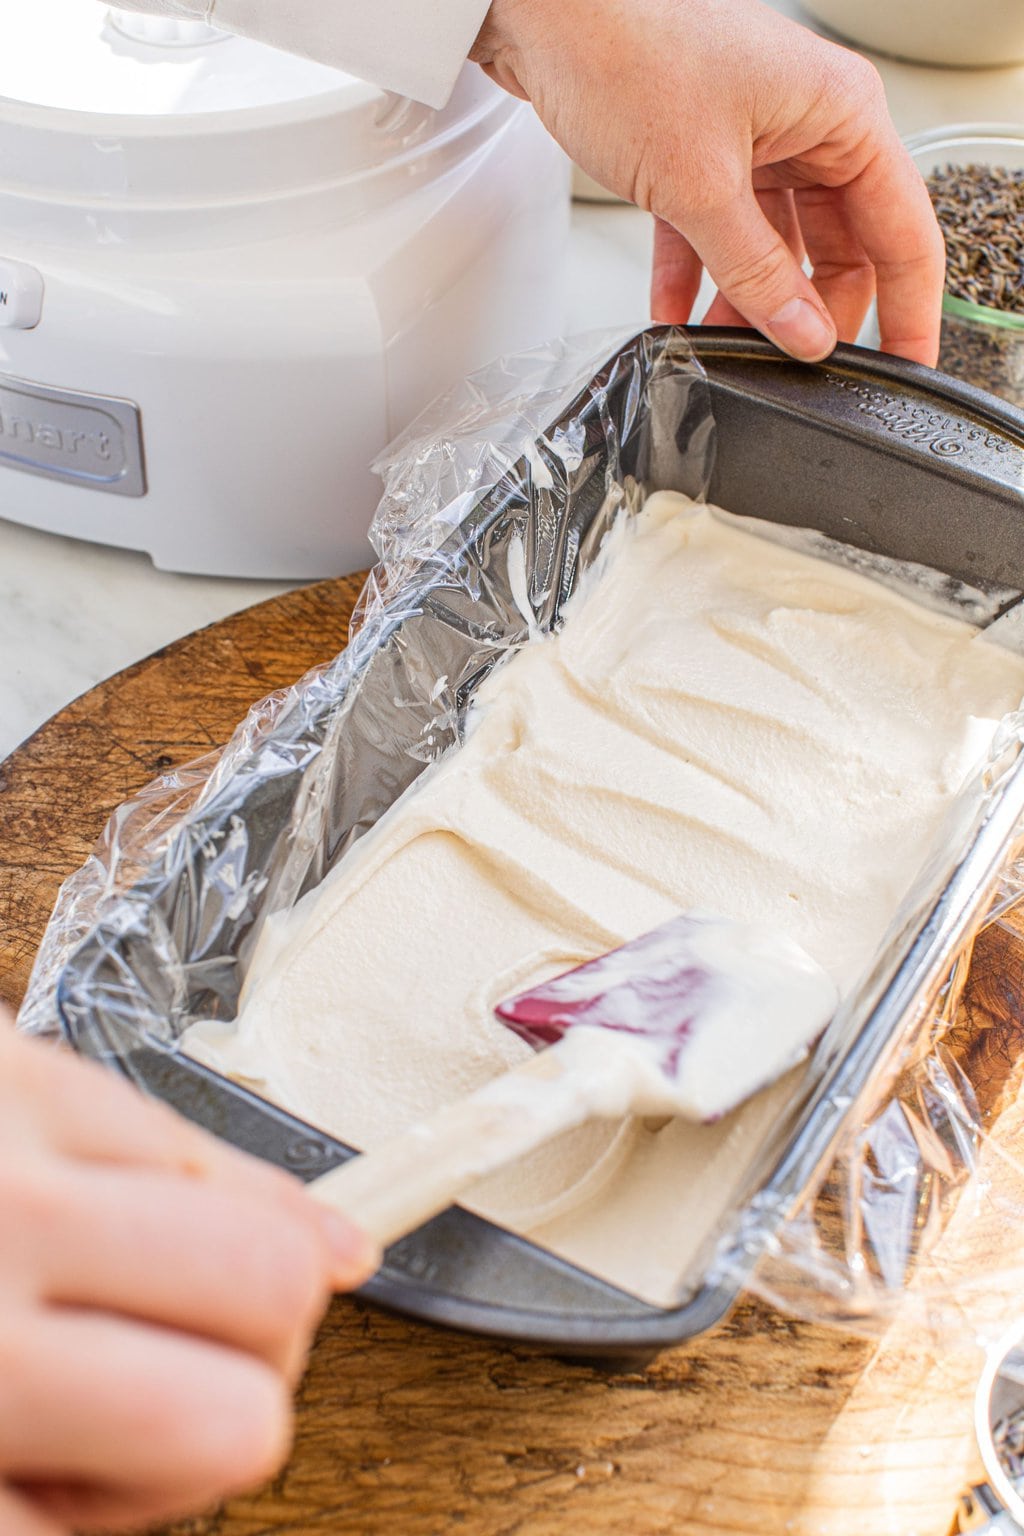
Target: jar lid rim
981	314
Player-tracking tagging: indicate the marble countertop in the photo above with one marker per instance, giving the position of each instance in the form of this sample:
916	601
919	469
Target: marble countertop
72	613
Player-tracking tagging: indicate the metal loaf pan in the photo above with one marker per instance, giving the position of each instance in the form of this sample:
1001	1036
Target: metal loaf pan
871	450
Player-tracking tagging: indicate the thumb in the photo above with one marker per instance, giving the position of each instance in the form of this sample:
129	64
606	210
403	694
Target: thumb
756	271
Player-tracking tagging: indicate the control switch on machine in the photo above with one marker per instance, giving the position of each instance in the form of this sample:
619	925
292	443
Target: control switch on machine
21	295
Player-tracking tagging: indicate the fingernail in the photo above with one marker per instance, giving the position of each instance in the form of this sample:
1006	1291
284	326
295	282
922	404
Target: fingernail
802	330
356	1255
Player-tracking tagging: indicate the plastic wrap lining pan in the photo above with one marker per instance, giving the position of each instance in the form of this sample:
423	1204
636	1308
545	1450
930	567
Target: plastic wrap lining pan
870	450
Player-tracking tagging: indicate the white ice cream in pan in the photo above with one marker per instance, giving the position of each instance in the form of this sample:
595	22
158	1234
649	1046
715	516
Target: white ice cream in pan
723	723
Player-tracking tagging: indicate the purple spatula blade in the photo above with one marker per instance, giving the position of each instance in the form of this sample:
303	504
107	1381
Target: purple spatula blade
653	986
717	1008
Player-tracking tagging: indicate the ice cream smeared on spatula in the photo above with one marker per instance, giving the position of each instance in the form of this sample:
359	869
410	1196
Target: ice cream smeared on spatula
711	1011
672	1023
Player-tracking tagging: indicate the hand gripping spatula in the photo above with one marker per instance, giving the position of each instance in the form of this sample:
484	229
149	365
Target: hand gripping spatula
690	1019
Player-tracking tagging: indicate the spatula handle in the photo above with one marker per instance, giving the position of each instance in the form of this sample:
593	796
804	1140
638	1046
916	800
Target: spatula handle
398	1186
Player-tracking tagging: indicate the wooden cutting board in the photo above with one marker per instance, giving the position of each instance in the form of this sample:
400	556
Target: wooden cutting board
766	1425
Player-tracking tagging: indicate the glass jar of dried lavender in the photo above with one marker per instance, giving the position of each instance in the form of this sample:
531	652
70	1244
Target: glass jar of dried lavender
975	174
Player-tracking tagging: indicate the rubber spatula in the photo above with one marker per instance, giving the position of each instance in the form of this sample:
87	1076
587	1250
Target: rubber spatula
690	1019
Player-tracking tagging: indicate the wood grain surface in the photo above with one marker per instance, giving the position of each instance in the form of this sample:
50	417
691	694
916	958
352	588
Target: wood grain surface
767	1425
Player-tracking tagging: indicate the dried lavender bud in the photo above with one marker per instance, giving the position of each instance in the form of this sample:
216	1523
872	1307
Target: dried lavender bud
980	209
1008	1438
